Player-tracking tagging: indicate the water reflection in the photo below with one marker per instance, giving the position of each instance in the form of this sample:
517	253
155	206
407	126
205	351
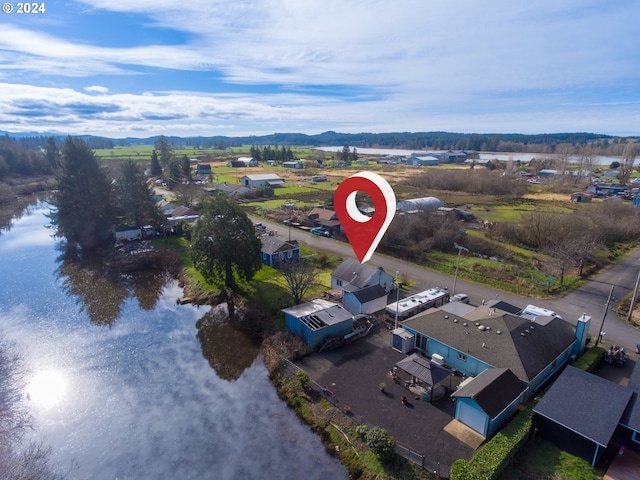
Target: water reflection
47	388
228	350
140	399
101	292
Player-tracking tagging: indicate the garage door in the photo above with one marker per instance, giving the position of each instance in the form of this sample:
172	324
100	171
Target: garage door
472	418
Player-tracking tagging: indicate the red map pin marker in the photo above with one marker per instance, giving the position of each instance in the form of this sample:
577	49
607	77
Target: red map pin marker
364	233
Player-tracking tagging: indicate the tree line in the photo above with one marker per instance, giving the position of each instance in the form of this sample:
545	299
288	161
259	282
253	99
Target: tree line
87	202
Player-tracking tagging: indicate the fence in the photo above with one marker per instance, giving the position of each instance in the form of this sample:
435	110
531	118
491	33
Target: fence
441	471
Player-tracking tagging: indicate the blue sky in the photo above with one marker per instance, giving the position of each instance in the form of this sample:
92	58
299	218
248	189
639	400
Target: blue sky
218	67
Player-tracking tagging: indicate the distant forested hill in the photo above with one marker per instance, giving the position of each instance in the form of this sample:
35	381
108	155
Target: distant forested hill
489	142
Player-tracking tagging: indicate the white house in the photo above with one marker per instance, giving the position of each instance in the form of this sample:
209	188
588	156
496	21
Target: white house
350	276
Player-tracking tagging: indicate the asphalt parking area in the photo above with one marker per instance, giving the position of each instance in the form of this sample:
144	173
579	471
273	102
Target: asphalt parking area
353	375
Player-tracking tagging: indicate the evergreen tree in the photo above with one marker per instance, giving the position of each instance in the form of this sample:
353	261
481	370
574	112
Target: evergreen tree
186	167
82	211
156	169
224	243
165	148
134	200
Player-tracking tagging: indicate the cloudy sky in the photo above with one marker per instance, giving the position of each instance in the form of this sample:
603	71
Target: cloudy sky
220	67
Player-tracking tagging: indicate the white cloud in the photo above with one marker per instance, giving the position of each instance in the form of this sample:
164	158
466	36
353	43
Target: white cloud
96	88
369	65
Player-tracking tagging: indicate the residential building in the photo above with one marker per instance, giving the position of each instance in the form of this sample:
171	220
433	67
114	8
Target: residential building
276	252
350	276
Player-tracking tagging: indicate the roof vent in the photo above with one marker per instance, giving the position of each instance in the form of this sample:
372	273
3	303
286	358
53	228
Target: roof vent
488	327
464	324
498	332
455	320
446	316
484	345
527	331
481	328
522	334
531	327
477	324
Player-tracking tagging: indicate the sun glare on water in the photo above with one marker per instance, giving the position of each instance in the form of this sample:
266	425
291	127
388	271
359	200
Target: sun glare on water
47	388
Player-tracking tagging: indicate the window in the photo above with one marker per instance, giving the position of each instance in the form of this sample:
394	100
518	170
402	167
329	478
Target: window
462	356
339	283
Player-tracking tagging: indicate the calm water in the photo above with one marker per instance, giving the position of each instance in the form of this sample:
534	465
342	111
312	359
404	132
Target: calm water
120	386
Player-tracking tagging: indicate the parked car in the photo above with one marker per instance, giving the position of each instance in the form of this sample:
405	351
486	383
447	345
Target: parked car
460	297
320	231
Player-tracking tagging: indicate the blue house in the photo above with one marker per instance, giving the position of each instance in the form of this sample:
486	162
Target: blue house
276	252
317	320
488	400
534	350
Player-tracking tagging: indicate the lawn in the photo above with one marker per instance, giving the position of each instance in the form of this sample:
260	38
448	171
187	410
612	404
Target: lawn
540	460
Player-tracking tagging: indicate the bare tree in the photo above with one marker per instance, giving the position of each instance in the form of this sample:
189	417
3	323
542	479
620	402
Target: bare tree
300	277
626	166
564	152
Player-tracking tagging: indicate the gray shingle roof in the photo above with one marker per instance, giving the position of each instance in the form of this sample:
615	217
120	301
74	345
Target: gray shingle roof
367	294
423	369
354	273
272	245
493	390
631	417
507	341
587	404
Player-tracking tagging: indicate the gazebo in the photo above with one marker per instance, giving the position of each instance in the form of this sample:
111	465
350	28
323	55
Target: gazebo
424	370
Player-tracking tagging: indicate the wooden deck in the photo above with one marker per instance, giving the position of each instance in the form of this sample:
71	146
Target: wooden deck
626	467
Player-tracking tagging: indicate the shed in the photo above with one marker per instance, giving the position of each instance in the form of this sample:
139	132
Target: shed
585	425
581	197
486	402
369	299
402	340
317	320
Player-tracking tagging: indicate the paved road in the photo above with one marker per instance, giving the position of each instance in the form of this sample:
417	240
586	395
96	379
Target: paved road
590	299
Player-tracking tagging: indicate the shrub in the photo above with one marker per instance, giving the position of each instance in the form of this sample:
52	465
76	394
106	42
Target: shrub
381	443
302	377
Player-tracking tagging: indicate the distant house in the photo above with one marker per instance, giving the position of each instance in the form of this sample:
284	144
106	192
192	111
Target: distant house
325	218
181	211
319	178
486	402
419	204
423	161
370	299
317	320
350	276
276	252
293	164
127	232
203	169
262	180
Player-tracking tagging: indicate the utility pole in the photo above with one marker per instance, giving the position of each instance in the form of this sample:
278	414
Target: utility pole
606	308
397	298
633	298
455	278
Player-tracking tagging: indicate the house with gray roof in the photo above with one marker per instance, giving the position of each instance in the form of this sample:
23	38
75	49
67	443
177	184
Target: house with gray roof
534	350
351	275
276	252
